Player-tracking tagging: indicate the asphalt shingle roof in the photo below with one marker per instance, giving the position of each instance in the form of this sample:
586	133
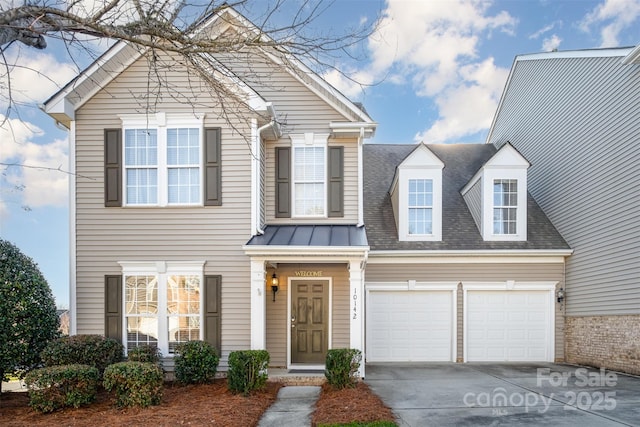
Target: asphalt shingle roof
459	231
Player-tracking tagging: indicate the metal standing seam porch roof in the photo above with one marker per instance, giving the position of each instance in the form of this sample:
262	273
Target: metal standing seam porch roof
311	236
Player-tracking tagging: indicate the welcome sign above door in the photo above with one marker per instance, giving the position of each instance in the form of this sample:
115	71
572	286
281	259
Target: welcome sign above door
307	273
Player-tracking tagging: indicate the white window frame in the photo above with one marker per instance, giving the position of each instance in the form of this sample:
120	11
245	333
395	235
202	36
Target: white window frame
434	174
504	221
490	176
161	270
309	140
161	122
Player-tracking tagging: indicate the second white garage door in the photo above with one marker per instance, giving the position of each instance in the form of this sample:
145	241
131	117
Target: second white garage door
512	326
409	326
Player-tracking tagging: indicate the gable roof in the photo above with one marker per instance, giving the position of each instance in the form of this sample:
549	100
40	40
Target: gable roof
459	231
62	105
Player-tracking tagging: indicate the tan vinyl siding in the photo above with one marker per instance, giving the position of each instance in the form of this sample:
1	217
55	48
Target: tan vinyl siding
576	121
277	311
108	235
473	198
455	272
350	184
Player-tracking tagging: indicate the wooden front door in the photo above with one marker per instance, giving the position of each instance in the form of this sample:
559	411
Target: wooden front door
309	321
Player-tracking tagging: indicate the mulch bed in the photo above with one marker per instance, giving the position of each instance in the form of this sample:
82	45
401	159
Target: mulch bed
197	405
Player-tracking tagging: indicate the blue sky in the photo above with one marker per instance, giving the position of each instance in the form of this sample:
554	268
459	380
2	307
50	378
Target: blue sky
436	69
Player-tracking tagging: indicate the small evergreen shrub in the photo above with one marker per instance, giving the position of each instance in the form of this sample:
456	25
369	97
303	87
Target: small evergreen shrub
145	354
247	370
196	362
342	366
92	350
135	383
62	386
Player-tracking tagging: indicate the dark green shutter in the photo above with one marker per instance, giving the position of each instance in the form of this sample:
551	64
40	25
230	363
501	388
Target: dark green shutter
212	167
112	167
283	182
336	182
212	308
113	307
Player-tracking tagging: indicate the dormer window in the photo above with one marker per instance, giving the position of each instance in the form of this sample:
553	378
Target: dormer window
420	221
497	196
505	206
416	196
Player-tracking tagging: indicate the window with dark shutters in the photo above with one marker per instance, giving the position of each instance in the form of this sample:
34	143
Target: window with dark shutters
112	167
212	306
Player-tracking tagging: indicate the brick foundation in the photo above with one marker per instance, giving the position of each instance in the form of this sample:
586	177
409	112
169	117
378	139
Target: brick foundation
611	342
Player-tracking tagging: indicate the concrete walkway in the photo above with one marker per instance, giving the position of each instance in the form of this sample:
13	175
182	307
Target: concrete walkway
293	407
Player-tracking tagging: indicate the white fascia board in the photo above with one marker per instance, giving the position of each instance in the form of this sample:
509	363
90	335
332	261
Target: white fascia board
360	129
477	257
315	252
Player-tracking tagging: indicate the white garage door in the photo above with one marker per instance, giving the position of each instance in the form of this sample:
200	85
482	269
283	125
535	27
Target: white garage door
409	326
512	326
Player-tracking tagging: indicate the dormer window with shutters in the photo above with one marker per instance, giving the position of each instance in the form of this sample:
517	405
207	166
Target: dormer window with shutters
497	196
416	196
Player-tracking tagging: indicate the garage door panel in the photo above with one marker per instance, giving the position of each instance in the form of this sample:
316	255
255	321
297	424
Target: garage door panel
508	326
419	326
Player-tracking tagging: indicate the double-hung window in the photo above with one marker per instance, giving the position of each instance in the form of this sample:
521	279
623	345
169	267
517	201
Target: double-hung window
505	206
162	304
163	161
420	205
309	176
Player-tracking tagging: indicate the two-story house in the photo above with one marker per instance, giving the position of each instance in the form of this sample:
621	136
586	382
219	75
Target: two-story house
574	115
260	219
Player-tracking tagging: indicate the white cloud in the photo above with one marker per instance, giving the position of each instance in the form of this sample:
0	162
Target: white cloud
611	17
545	30
34	76
434	45
551	43
33	163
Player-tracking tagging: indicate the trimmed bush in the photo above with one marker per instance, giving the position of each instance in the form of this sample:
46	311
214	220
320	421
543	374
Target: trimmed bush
146	354
135	383
62	386
342	367
92	350
247	370
196	362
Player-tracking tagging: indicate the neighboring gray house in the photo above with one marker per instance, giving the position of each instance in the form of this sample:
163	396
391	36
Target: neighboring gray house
284	231
576	117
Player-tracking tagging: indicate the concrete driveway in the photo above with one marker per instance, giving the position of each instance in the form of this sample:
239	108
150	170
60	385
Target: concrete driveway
506	394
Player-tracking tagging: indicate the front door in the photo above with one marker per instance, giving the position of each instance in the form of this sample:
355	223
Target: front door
309	321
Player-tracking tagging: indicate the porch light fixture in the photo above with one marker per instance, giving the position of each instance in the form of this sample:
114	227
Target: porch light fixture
274	286
560	295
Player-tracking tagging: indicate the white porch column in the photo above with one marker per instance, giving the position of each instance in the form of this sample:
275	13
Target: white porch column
356	309
258	309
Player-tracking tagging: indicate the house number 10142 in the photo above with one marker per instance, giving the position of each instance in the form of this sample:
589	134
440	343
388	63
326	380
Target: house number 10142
355	303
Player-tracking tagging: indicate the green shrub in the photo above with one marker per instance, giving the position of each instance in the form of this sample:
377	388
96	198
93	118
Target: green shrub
196	362
146	354
135	383
247	370
342	367
62	386
92	350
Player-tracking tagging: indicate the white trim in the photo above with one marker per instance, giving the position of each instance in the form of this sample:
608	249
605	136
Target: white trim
360	182
73	289
512	286
306	253
586	53
356	310
325	279
471	256
255	167
258	317
412	285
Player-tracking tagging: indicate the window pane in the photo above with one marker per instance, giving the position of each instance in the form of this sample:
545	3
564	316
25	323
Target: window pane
183	309
140	147
309	175
309	164
141	310
420	221
183	146
142	186
184	185
309	199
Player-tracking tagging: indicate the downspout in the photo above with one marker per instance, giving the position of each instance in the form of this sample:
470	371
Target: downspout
360	179
257	159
